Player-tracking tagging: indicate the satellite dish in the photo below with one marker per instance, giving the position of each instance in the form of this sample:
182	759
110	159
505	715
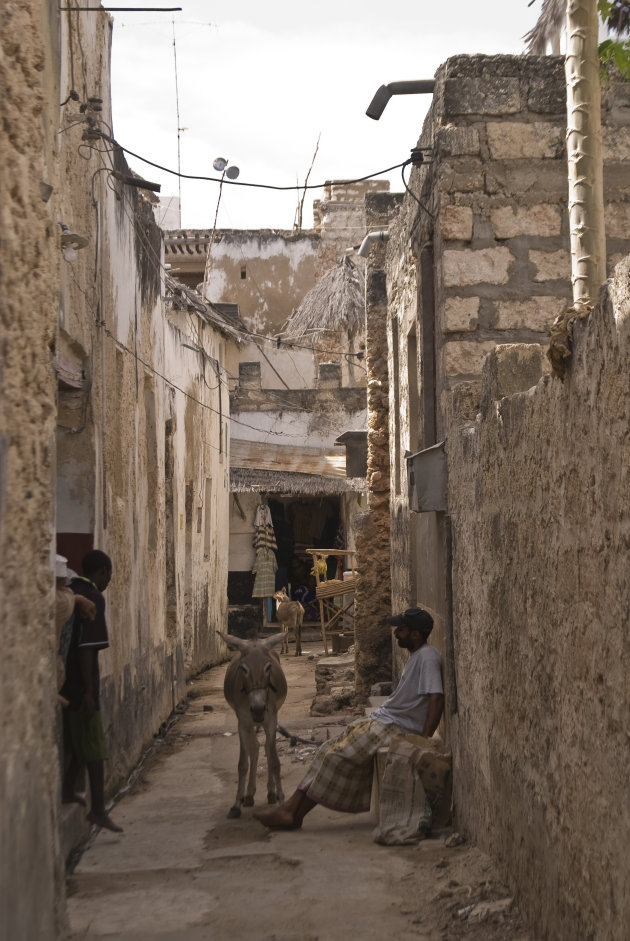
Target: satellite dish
220	164
232	172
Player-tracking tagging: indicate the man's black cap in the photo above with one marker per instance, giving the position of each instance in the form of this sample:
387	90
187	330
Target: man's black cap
415	618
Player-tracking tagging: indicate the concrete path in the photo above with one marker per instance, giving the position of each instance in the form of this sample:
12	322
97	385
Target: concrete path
182	870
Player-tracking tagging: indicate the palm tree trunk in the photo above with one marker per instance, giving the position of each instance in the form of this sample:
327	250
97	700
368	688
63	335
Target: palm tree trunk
584	147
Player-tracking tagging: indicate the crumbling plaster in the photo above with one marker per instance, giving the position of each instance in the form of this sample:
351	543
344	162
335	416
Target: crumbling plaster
142	456
538	494
536	517
278	268
31	867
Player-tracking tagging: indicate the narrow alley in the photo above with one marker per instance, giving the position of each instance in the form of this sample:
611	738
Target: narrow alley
181	869
393	391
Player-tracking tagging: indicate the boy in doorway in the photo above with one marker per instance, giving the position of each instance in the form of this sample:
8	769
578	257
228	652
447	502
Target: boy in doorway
83	736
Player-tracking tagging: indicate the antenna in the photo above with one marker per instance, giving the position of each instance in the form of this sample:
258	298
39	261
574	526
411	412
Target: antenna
179	129
220	164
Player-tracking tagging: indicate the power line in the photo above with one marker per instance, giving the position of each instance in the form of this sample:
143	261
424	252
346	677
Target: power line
268	186
156	263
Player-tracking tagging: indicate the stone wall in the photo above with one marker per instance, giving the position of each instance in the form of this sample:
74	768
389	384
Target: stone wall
143	458
539	498
527	566
138	397
479	256
31	867
373	594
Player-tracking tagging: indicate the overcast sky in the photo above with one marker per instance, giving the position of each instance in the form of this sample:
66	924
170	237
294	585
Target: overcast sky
259	82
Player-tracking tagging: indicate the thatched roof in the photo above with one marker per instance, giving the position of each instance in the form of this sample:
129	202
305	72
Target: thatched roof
335	303
283	483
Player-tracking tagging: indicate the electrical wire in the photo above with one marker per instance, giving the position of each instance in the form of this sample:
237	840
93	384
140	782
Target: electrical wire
411	193
148	366
268	186
158	266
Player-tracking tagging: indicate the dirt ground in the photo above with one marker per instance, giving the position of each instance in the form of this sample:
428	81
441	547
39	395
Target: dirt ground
182	870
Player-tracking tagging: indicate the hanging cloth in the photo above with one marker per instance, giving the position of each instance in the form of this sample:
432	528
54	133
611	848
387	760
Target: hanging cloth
263	515
265	538
264	569
265	546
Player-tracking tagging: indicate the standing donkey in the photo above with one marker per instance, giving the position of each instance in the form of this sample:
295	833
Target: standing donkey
289	614
255	687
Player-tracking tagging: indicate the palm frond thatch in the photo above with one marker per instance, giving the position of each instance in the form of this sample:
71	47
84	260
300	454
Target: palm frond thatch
287	484
548	28
336	303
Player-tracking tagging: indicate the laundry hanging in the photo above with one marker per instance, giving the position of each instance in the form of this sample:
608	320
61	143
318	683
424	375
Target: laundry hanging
263	516
265	546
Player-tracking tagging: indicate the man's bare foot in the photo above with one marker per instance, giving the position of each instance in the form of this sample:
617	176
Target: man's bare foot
73	799
104	821
278	818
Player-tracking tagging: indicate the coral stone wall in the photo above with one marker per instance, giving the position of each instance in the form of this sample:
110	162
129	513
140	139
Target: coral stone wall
31	871
479	256
537	482
540	500
373	594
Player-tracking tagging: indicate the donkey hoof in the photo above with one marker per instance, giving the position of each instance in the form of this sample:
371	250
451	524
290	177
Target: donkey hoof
248	801
234	812
272	797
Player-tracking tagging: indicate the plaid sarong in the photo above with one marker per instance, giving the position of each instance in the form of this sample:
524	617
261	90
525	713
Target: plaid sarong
83	736
340	776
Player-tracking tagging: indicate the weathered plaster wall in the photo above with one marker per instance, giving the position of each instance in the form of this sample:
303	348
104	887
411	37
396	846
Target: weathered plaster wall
31	867
284	367
143	450
538	494
266	273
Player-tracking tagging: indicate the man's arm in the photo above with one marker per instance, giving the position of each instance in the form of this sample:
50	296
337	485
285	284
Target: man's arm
87	608
434	714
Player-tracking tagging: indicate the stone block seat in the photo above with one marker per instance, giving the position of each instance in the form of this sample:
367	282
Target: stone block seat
416	756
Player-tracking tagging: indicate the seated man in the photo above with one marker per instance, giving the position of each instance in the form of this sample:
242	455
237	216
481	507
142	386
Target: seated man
340	776
305	594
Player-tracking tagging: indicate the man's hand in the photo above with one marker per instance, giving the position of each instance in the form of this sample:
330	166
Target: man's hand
87	608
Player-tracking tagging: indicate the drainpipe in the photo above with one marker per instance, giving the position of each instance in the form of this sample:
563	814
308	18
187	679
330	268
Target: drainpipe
385	92
364	250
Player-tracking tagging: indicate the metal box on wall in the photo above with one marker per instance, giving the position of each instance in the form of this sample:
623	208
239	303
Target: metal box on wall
427	477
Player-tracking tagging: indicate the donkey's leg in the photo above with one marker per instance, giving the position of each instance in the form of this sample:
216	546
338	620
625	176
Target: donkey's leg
298	634
243	764
285	638
252	747
274	784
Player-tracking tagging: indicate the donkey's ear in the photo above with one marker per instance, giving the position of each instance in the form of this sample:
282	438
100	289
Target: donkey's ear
273	641
232	641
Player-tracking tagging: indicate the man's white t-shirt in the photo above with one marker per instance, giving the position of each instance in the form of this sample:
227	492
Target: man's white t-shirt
408	705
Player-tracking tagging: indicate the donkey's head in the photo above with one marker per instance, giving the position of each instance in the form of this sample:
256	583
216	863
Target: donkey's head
253	679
